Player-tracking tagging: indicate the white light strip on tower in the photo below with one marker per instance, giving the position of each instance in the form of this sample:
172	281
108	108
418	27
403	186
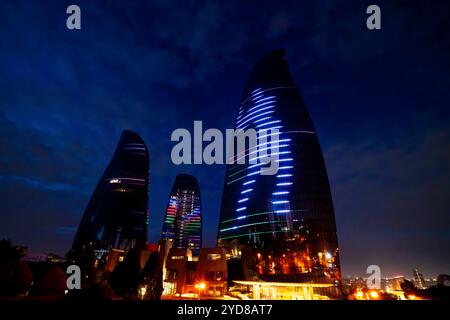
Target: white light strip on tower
255	117
254	112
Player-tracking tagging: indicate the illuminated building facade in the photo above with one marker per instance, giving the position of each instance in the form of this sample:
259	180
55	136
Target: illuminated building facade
116	216
211	272
183	219
279	228
419	281
394	286
179	272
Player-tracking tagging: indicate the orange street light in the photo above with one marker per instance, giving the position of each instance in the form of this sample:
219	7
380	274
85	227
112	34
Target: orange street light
374	295
200	286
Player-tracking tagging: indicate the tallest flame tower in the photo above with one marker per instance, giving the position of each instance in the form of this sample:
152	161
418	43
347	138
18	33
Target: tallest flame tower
280	228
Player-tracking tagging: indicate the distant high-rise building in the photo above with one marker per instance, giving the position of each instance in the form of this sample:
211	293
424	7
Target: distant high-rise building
394	284
418	279
183	218
116	216
281	227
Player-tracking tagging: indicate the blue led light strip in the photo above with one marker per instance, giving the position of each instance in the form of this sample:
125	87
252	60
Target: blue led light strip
244	152
250	234
265	90
267	123
252	224
254	112
260	105
263	213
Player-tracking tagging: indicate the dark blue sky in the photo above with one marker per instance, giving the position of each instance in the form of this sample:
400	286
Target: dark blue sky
379	100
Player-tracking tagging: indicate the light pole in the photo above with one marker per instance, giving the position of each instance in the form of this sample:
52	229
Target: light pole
200	287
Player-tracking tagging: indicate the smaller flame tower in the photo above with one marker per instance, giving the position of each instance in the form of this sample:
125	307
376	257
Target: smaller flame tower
183	219
117	213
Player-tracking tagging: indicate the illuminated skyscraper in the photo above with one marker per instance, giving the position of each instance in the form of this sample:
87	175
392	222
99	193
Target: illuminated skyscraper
279	228
419	281
116	216
183	219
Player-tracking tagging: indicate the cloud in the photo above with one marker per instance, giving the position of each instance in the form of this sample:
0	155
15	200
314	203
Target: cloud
389	189
378	101
64	230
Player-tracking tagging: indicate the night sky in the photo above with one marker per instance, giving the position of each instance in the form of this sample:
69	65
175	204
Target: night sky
379	100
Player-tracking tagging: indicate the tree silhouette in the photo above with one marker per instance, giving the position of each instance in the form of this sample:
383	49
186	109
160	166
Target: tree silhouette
126	277
15	275
152	277
49	280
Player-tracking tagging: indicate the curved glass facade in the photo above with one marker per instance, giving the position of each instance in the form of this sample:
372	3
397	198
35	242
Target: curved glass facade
183	219
280	227
116	216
